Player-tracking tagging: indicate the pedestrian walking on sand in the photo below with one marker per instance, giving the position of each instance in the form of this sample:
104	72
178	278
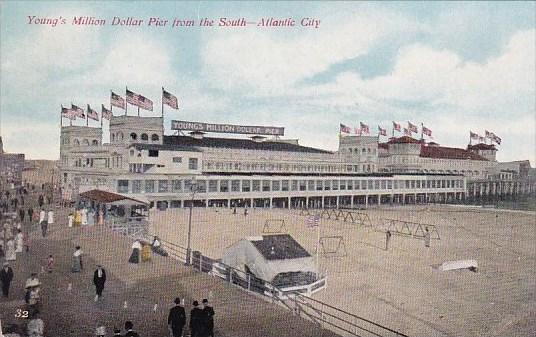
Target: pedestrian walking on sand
196	321
208	318
99	279
177	319
30	214
6	276
77	264
21	214
40	201
426	237
50	263
387	239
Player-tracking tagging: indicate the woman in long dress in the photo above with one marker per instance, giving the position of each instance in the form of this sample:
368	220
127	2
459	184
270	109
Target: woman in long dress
156	247
91	217
77	265
10	250
19	241
136	250
77	218
84	216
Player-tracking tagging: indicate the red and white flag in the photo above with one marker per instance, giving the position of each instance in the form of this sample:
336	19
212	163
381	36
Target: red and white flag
106	113
474	136
345	129
67	113
92	113
312	221
426	131
78	112
118	101
412	127
382	132
497	140
396	127
169	99
139	100
364	127
407	132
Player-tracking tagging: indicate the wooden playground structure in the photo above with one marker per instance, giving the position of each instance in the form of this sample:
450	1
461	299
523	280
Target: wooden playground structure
352	217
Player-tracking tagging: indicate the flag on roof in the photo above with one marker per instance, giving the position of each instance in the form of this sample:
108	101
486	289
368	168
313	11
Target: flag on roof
117	100
412	127
426	131
169	99
396	126
497	140
407	132
364	127
78	112
139	100
67	113
92	113
106	113
382	132
344	128
473	135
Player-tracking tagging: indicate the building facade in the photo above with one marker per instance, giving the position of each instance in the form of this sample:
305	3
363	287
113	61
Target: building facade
11	166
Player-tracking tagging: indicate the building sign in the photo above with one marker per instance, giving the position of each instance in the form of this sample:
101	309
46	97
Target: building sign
227	128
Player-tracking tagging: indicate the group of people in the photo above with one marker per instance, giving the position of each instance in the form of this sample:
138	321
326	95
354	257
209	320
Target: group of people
46	219
12	240
201	319
85	217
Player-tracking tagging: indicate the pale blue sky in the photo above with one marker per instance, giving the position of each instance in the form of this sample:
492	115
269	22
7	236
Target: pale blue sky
454	66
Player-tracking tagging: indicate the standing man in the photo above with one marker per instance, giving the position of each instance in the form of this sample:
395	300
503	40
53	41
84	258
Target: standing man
21	214
426	237
6	276
196	320
208	318
130	330
99	279
30	214
387	239
40	200
177	318
43	222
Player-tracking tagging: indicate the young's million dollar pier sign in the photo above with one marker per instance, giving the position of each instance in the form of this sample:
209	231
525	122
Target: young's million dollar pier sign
227	128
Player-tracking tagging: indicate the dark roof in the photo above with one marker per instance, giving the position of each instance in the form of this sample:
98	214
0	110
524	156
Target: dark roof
443	152
481	146
404	140
164	147
236	143
280	247
105	197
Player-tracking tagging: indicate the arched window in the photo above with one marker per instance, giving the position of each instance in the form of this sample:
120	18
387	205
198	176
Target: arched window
76	142
131	153
133	136
119	136
144	137
85	142
95	142
113	137
154	137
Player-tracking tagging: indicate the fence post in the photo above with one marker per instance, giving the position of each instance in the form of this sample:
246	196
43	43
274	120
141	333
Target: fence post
231	276
249	282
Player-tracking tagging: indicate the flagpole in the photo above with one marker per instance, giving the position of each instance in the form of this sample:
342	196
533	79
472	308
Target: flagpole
138	111
162	99
61	118
422	133
126	103
87	116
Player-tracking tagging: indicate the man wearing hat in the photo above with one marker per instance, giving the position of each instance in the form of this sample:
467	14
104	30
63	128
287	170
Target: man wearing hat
208	318
177	318
196	320
99	279
6	276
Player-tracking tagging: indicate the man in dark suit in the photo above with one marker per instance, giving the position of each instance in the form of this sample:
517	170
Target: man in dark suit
208	318
177	318
196	321
130	330
99	279
6	276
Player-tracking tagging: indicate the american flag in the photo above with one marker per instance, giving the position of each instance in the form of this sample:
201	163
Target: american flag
117	100
396	126
473	135
345	129
364	127
106	113
407	132
426	131
312	220
496	139
169	99
78	112
92	113
67	113
489	134
139	101
382	132
412	127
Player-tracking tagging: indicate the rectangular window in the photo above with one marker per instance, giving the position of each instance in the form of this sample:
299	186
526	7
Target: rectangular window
370	184
176	186
256	185
192	163
177	159
395	184
384	185
224	185
408	184
266	185
412	183
350	184
335	185
327	185
376	184
149	186
202	186
275	185
136	186
389	184
153	153
284	185
294	185
213	186
235	185
319	185
162	186
303	185
342	185
122	186
245	186
311	185
175	204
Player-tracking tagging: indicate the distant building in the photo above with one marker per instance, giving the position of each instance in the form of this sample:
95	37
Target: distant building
11	166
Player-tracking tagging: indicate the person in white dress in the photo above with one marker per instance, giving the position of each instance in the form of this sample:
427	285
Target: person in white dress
10	250
42	216
84	217
19	241
50	217
70	219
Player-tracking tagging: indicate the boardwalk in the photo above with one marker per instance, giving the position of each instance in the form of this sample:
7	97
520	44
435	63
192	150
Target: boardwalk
74	313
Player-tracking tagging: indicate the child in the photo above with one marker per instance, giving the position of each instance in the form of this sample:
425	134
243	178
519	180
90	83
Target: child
50	263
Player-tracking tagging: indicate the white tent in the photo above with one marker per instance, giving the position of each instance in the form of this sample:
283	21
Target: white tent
269	255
